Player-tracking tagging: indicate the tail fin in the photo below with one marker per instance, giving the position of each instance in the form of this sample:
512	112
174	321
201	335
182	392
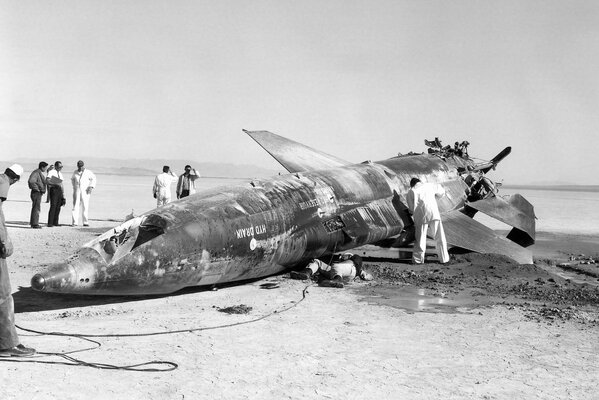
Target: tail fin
294	156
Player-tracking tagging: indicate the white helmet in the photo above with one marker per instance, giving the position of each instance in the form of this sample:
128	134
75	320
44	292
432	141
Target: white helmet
17	169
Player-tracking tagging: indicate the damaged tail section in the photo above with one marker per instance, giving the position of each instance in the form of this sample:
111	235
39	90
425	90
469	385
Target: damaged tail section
514	210
482	194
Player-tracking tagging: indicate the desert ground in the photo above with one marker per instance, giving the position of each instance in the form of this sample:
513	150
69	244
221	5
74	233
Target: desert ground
481	327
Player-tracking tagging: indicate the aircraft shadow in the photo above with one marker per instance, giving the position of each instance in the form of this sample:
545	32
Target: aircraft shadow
28	300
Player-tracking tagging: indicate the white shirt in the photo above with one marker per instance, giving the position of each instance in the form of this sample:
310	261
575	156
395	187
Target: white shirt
83	180
422	202
55	174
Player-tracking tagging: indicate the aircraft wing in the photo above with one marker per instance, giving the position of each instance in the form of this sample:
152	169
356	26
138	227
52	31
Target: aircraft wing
464	232
294	156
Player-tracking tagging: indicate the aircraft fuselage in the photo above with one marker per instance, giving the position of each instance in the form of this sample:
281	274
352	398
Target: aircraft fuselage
252	230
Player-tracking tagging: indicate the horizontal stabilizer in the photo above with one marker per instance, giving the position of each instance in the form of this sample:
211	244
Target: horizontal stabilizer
513	210
294	156
462	231
486	167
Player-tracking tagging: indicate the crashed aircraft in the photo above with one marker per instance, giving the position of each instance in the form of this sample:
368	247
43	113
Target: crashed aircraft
322	206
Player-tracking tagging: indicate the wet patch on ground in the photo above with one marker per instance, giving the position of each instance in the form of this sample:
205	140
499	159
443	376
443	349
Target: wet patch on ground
478	280
413	299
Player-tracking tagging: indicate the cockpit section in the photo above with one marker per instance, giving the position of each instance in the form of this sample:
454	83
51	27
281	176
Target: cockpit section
131	234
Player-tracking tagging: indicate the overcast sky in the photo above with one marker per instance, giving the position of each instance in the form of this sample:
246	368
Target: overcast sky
357	79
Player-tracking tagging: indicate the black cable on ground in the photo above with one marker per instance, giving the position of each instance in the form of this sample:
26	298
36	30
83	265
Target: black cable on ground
136	367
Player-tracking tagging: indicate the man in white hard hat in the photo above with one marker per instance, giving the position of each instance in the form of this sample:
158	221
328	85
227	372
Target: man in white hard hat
9	340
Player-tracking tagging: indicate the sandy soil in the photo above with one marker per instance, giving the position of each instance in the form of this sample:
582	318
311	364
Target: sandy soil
481	327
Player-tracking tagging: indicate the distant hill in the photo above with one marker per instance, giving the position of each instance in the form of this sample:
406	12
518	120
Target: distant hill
568	188
142	167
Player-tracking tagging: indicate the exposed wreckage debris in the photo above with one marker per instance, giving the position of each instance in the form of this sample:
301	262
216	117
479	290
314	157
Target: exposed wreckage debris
323	206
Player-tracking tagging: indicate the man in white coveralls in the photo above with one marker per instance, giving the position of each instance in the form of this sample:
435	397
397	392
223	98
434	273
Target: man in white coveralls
162	186
422	203
83	181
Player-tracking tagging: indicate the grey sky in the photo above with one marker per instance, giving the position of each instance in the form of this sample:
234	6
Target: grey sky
358	79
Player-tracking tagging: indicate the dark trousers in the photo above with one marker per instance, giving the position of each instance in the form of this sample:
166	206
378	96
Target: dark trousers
184	193
36	207
55	204
8	333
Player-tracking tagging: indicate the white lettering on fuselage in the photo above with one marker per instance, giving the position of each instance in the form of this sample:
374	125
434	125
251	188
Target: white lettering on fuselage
250	231
308	204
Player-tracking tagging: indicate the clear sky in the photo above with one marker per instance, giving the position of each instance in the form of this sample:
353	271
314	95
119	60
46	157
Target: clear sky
358	79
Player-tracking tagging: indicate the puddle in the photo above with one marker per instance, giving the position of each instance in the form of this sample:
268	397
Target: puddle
573	276
413	299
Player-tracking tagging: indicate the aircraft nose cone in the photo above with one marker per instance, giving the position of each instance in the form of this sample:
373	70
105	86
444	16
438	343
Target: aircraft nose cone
38	282
60	278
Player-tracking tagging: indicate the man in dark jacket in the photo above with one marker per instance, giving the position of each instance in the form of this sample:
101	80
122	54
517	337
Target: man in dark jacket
37	184
9	340
186	184
56	190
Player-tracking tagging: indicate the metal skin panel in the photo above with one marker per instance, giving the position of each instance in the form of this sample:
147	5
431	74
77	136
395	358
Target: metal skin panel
461	229
514	210
254	230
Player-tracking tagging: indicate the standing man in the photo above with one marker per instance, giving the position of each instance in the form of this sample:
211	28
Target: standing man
37	184
56	193
186	184
162	186
422	203
84	181
9	340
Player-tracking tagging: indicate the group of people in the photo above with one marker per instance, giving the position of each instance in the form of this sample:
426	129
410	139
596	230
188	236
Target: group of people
163	181
51	179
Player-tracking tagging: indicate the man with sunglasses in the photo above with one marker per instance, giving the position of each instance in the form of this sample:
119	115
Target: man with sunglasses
186	183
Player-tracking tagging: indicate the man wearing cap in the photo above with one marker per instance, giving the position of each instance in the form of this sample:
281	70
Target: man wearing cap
83	181
37	184
186	183
9	340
